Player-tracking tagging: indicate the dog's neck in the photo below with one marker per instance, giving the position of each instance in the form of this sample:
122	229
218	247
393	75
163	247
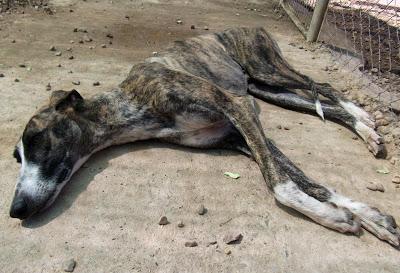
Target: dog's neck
115	117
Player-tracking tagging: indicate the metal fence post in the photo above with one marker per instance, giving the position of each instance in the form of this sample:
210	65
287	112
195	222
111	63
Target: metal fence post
317	20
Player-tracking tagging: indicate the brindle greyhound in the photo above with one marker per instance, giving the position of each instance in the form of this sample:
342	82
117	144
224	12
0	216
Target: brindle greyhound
197	93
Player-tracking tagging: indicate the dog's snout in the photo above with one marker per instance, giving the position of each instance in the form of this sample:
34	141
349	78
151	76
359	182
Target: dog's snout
19	208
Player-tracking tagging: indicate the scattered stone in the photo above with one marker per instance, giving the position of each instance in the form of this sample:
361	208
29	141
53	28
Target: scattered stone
16	80
179	21
96	83
110	42
206	28
22	65
378	115
109	35
201	210
382	122
69	49
180	224
103	45
58	53
13	41
48	87
127	17
80	29
76	82
326	68
376	187
228	251
163	221
286	128
52	48
71	41
69	265
71	57
396	179
232	238
155	53
211	243
80	41
87	39
192	27
2	75
393	160
279	127
374	70
191	244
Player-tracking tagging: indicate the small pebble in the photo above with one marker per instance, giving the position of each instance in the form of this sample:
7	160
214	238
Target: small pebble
69	265
76	82
96	83
58	53
71	57
179	22
87	39
48	87
109	35
211	243
59	65
181	224
163	221
228	251
376	187
191	244
22	65
2	75
52	48
69	49
279	127
201	210
192	27
16	80
103	45
396	179
286	128
232	238
206	28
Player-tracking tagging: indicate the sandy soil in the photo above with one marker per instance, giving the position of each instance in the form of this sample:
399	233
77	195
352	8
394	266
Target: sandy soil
107	216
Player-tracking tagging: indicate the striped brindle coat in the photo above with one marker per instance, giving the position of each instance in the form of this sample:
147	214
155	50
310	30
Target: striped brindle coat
198	93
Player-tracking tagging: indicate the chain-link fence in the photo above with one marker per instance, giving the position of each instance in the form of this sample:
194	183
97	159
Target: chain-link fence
367	30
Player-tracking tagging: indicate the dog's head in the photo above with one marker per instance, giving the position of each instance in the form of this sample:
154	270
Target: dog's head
49	153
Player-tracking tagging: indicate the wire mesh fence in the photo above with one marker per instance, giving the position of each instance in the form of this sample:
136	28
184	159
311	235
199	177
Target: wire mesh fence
366	30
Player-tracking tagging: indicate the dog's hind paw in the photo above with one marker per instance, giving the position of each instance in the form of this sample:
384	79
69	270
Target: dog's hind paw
373	140
381	225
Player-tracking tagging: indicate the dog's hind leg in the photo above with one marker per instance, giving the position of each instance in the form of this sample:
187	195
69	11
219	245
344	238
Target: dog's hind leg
332	112
261	59
300	194
292	188
381	225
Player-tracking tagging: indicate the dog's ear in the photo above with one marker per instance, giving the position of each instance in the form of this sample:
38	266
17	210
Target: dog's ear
62	100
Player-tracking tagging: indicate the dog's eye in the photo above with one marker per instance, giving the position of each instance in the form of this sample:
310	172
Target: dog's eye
17	156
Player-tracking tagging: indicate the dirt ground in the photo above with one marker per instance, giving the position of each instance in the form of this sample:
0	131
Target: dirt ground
107	217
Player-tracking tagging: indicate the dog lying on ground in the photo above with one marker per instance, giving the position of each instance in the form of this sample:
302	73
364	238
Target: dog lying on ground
197	93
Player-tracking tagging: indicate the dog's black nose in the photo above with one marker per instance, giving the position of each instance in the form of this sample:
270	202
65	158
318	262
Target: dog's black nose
19	208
